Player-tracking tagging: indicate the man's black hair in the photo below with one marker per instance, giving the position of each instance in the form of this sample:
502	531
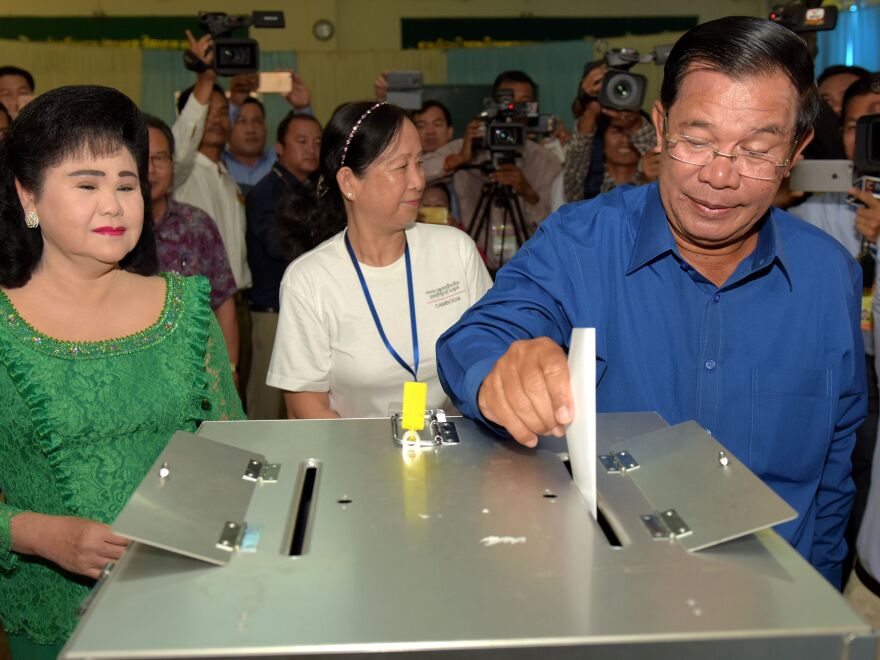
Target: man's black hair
840	69
745	47
15	71
185	94
870	84
515	77
162	127
250	100
427	105
281	133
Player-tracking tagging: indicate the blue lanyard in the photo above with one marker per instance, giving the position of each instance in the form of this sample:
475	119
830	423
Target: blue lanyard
412	309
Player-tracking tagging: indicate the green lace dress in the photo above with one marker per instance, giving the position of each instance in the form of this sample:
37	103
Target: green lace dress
80	425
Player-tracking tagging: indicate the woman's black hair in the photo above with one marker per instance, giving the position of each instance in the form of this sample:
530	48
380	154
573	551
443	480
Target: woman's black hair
63	123
323	207
745	47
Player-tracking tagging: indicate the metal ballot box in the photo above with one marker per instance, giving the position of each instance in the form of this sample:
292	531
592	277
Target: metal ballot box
352	545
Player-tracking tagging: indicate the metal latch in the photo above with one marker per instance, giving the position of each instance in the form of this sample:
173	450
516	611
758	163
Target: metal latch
266	473
437	431
617	462
666	525
230	536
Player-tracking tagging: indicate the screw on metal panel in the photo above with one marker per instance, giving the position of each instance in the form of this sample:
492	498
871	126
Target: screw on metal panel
723	460
164	471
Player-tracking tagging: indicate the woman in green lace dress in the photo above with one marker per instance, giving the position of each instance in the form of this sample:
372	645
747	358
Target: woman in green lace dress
100	362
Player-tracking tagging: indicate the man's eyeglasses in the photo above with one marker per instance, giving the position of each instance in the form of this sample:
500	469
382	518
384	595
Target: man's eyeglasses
699	152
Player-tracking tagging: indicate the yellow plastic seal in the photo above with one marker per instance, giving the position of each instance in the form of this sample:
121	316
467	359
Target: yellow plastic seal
415	399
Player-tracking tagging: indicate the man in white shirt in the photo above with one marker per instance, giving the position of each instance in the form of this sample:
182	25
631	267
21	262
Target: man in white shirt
200	177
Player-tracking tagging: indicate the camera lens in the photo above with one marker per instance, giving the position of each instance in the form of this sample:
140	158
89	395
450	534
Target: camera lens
623	89
235	56
503	136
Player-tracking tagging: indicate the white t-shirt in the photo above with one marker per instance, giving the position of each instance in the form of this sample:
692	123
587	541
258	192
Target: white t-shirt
327	340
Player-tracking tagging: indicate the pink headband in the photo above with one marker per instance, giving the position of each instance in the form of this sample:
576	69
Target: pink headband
354	129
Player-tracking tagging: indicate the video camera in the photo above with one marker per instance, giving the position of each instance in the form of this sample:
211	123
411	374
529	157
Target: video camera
232	56
508	126
622	90
808	16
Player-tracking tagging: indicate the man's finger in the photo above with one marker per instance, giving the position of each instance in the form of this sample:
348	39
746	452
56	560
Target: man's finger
513	385
534	386
555	366
866	197
504	414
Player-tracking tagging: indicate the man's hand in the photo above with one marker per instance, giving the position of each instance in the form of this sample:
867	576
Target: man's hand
867	218
474	131
75	544
651	165
299	95
241	86
380	86
203	49
509	174
592	86
528	391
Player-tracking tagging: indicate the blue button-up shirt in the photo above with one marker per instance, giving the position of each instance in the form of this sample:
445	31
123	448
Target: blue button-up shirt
771	363
247	176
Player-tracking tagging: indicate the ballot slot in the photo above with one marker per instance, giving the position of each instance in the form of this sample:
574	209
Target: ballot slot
609	528
303	508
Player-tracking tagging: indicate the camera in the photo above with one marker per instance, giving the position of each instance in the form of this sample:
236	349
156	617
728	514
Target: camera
508	125
809	16
867	155
405	89
233	56
622	90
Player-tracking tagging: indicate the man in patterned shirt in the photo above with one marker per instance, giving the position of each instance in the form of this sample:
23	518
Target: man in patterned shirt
187	240
628	141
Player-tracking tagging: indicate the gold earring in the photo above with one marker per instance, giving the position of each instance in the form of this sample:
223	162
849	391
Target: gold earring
32	220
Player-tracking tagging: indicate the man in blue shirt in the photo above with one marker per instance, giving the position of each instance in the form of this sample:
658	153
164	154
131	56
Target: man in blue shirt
298	146
708	304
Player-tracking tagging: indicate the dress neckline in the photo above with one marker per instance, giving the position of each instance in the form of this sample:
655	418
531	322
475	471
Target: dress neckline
164	326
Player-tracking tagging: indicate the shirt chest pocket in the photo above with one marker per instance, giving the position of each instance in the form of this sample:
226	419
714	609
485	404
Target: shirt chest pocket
791	423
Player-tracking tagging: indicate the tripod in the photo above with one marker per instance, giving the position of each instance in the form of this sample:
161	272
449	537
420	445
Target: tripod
505	198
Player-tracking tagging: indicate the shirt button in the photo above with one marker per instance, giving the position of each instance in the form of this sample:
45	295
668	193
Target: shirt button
717	297
684	266
710	364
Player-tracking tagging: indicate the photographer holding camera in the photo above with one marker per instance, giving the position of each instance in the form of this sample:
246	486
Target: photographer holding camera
527	175
609	147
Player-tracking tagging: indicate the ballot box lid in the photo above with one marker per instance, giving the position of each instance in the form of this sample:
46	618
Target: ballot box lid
699	493
194	498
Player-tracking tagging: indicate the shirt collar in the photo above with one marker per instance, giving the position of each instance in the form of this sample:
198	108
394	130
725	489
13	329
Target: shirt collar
654	240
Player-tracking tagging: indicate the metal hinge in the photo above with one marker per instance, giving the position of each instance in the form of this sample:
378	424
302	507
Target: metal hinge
621	461
438	431
666	525
266	473
230	536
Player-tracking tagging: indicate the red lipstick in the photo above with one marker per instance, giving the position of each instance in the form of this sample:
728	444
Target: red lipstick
110	231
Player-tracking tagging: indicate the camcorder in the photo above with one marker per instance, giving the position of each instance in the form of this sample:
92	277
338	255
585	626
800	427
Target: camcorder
622	90
808	16
232	56
508	125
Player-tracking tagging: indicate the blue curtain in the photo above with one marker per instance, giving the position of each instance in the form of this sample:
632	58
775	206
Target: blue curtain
853	42
556	67
163	75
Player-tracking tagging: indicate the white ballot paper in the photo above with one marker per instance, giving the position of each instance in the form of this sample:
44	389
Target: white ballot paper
581	433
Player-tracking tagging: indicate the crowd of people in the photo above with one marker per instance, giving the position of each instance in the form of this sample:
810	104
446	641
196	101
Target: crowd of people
154	276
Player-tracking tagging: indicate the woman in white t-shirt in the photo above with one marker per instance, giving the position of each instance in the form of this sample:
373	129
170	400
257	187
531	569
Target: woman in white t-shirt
361	313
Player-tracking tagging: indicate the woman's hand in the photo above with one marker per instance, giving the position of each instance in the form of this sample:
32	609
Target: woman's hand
75	544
